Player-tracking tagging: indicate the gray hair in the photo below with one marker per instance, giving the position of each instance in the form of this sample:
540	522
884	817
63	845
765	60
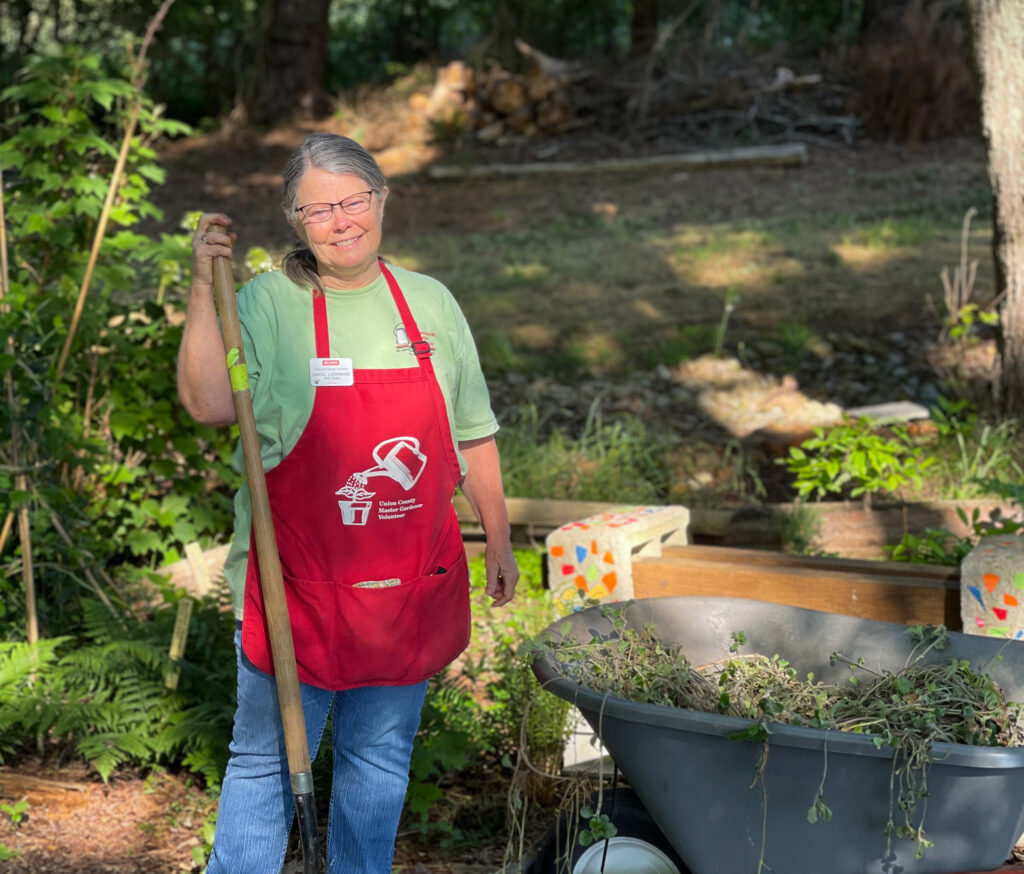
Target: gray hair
336	154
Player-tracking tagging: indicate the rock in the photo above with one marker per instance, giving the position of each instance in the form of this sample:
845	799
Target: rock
490	133
820	348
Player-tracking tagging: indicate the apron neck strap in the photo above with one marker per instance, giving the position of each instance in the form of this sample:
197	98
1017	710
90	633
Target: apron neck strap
420	347
323	339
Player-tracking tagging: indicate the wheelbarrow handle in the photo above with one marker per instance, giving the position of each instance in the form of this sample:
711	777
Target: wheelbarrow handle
271	581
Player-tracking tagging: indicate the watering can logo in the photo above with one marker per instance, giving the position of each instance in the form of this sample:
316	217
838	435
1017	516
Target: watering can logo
399	459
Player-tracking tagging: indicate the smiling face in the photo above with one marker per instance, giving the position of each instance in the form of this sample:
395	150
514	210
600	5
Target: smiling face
345	245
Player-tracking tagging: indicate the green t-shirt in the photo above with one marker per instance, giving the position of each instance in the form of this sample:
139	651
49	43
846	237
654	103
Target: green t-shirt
364	325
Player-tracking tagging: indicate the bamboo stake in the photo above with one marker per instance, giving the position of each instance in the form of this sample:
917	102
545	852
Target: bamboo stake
101	230
5	532
4	291
115	181
179	637
27	574
4	276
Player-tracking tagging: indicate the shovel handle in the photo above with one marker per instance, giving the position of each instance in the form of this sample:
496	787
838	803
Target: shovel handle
271	581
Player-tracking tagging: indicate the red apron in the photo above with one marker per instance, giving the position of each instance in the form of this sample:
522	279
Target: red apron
374	568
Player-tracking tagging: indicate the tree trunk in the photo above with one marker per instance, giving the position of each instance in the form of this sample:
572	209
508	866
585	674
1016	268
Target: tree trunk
871	19
643	28
292	61
998	32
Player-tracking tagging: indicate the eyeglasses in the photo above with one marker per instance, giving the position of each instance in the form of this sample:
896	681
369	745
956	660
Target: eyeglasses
354	204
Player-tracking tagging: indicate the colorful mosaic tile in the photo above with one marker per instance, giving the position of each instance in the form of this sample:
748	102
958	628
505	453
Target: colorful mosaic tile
594	556
992	576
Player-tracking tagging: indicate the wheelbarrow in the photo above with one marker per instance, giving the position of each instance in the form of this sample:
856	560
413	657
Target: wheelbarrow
696	789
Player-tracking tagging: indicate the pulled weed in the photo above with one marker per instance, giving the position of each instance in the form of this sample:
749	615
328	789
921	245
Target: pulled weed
908	710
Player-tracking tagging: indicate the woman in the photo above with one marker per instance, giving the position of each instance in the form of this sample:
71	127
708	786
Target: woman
364	379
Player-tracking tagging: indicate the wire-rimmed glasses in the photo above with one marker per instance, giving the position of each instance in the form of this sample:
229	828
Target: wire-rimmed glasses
354	204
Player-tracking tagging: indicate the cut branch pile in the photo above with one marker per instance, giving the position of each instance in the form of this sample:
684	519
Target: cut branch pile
752	101
498	104
638	100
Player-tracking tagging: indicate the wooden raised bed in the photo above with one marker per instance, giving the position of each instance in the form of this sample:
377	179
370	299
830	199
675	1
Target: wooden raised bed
889	591
844	527
850	584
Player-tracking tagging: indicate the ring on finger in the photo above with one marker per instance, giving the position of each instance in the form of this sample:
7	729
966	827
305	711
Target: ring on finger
203	238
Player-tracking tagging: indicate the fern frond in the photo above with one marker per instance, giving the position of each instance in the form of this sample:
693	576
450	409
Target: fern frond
108	750
19	661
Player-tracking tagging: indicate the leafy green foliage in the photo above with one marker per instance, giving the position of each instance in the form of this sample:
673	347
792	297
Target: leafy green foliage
934	546
114	460
107	697
961	325
941	546
15	811
447	742
482	715
856	457
599	827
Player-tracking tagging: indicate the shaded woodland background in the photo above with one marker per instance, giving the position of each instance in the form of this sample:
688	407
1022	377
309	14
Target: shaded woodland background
904	65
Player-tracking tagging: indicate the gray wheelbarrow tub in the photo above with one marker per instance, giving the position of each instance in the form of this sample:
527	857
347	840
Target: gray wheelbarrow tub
699	785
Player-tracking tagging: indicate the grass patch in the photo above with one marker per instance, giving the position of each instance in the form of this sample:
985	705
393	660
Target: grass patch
609	287
619	460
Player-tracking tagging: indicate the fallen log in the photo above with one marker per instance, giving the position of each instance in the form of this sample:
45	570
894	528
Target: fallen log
14	785
782	155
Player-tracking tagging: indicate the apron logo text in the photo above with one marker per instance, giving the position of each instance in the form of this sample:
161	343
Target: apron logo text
399	459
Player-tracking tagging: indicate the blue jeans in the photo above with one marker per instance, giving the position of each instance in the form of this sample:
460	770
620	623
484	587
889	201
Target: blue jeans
374	728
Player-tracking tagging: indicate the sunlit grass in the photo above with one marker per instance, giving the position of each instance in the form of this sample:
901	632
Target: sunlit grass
608	287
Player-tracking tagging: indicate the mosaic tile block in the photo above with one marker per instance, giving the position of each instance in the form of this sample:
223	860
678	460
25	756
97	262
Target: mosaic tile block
992	588
595	555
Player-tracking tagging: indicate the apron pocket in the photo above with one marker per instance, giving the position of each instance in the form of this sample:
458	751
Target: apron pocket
375	641
445	623
309	611
396	635
386	634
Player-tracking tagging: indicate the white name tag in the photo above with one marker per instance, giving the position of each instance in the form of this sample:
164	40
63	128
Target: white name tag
330	371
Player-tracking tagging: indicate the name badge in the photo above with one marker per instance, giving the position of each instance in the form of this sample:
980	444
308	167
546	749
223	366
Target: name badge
330	371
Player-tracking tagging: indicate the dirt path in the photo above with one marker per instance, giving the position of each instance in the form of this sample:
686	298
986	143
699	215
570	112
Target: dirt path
74	824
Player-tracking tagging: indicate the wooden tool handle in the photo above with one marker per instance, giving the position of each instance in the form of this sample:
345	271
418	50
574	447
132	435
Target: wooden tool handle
272	583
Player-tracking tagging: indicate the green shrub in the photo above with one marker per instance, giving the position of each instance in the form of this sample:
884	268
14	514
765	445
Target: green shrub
854	457
114	461
105	696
